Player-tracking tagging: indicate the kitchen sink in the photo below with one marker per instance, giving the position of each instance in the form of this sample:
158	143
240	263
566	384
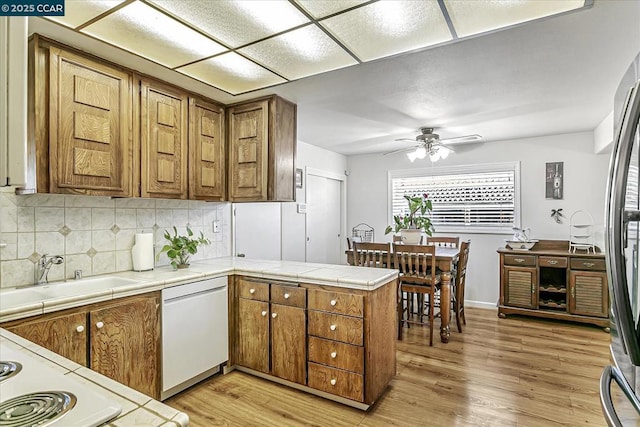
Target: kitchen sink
38	293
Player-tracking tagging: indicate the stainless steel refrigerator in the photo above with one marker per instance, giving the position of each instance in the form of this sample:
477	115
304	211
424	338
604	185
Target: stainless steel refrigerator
620	382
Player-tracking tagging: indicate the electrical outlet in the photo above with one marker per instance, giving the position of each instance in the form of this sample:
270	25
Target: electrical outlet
216	226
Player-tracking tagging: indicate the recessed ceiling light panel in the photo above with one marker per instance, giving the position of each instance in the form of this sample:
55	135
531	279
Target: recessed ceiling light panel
143	30
321	8
474	17
237	23
232	73
78	12
300	53
389	27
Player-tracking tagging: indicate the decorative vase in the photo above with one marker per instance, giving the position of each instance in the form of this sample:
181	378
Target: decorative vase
179	266
410	236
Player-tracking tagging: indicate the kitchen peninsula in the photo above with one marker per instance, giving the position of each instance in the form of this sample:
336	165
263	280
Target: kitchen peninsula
324	329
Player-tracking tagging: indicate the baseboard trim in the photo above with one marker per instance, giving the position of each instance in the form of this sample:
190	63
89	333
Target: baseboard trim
482	304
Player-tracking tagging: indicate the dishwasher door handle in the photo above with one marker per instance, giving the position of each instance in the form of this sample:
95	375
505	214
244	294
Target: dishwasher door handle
194	294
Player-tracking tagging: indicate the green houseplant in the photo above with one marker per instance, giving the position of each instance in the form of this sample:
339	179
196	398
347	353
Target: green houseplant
180	248
416	220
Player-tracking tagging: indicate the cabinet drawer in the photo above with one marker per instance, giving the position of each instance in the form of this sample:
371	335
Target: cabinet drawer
335	354
528	260
336	302
595	264
289	295
253	290
336	327
335	381
553	261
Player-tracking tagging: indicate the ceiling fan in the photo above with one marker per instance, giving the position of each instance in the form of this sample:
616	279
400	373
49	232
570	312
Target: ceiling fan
429	143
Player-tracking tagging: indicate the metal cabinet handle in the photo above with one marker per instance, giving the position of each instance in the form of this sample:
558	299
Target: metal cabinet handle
332	327
264	313
518	259
573	292
99	325
252	291
80	328
286	296
333	354
333	381
274	315
333	302
552	262
588	264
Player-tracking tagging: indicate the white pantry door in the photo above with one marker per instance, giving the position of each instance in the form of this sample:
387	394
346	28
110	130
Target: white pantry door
324	210
257	230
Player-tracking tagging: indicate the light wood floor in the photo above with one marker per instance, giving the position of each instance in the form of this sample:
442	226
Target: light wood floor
500	372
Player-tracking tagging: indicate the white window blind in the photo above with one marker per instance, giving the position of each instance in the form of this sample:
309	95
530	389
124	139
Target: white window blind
482	198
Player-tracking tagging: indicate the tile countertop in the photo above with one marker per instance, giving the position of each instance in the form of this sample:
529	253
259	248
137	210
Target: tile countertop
147	281
137	408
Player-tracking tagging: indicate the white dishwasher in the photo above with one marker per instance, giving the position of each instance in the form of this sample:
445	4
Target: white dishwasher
195	330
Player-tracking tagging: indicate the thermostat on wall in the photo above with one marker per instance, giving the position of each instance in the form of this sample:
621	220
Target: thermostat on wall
302	208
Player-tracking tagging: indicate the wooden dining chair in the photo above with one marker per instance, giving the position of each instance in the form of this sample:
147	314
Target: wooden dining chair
367	254
443	241
459	285
417	265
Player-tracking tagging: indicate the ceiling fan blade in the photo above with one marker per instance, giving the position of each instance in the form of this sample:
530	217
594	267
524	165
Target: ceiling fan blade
461	139
405	139
401	150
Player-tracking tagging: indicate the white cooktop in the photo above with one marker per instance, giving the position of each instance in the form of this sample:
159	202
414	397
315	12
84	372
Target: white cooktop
91	409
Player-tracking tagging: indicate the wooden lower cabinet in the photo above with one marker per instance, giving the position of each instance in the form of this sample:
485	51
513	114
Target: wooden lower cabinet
122	338
326	340
588	293
520	284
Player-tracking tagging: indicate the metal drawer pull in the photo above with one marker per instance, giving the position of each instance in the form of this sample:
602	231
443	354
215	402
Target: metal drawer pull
333	381
99	325
333	354
518	259
588	264
264	313
552	262
252	291
286	296
332	327
274	315
333	302
80	328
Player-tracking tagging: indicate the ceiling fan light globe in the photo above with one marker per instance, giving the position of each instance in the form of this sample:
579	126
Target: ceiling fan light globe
444	152
434	156
412	156
421	153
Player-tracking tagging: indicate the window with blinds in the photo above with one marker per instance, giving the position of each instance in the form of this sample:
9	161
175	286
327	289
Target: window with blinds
474	199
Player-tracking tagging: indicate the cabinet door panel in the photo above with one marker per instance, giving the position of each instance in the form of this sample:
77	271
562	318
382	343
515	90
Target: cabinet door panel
163	116
248	151
589	293
125	343
89	127
65	335
520	287
253	334
288	343
206	151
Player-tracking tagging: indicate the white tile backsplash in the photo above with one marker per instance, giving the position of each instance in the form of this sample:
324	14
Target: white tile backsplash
33	225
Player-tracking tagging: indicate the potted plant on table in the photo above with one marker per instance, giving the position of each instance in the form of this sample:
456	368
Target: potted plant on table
180	248
412	224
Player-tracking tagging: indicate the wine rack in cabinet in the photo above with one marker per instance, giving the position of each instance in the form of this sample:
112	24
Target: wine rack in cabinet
553	281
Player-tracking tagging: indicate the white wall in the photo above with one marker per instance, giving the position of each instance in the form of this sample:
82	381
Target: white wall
585	175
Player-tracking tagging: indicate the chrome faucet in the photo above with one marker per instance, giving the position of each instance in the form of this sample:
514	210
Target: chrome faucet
44	265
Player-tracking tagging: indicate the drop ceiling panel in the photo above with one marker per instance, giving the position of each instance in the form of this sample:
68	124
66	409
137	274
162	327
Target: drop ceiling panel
300	53
79	12
387	28
321	8
472	17
232	73
236	23
143	30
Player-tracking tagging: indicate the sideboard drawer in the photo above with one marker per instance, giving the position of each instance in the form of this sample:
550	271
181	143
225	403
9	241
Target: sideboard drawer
336	381
336	302
336	354
553	261
336	327
595	264
528	260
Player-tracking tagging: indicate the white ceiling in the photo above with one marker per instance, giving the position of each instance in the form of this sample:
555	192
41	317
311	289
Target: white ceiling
551	76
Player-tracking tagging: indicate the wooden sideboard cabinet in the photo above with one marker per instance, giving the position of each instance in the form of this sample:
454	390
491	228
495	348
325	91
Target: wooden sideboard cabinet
549	281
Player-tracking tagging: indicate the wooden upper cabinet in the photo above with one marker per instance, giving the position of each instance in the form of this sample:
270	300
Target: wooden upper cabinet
163	140
262	148
207	178
89	125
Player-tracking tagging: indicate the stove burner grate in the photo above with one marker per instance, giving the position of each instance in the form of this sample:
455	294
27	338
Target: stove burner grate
35	409
9	369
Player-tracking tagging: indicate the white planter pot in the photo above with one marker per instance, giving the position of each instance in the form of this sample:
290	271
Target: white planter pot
411	237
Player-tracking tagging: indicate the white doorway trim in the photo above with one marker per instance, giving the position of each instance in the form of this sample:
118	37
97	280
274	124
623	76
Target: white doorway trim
343	202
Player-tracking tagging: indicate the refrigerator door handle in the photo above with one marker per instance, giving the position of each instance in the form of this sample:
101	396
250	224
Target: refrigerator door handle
617	221
608	375
629	216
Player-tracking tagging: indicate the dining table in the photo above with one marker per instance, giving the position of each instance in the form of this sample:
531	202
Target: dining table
446	260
